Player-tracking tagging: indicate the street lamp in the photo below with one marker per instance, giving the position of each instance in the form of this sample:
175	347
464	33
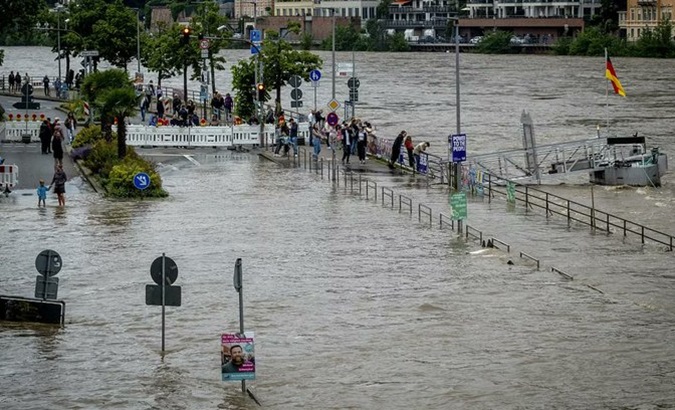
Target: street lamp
58	9
332	10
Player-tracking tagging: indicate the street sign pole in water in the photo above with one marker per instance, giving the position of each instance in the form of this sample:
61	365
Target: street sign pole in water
315	76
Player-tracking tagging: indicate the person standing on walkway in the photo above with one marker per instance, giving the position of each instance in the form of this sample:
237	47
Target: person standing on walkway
45	137
160	108
59	183
45	82
409	147
396	148
71	124
10	79
420	148
228	105
145	105
293	132
361	143
346	143
57	139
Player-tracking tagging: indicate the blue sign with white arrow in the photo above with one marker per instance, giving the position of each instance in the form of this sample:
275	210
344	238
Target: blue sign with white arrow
256	39
315	75
141	180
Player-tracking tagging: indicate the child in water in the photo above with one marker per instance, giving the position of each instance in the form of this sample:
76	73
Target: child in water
42	193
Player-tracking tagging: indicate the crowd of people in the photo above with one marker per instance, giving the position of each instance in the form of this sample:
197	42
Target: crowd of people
72	80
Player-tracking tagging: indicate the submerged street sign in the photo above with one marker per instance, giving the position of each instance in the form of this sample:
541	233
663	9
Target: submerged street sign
458	204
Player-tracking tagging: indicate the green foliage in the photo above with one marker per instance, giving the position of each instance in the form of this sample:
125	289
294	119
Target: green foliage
87	136
117	175
206	20
243	79
120	182
496	42
158	52
102	158
305	42
382	11
19	17
397	42
346	39
607	20
115	34
375	38
656	43
562	46
592	42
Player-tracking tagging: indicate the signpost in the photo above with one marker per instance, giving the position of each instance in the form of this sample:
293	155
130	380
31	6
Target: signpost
296	92
332	119
458	204
423	163
315	76
204	47
48	263
457	144
256	39
164	273
141	181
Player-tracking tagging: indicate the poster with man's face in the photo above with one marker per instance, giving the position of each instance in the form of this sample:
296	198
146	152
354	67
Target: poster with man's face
237	356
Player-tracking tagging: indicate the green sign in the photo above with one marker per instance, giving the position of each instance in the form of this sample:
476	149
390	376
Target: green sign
511	192
458	204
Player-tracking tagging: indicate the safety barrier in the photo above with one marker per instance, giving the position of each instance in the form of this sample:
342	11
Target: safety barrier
477	235
9	176
532	258
204	136
404	200
13	131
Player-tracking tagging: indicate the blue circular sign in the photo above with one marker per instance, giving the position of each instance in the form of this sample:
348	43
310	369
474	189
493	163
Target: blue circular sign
315	75
332	118
141	180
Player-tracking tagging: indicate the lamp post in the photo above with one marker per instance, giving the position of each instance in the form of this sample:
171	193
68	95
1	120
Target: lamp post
333	56
454	181
58	36
138	38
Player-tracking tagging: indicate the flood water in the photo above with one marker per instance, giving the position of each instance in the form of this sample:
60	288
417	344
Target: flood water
355	305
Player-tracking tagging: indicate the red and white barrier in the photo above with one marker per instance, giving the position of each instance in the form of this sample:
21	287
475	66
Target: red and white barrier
9	176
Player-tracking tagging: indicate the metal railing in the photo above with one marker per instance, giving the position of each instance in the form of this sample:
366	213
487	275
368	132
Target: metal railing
574	211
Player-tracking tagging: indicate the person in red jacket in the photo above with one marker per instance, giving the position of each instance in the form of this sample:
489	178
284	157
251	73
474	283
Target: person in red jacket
410	147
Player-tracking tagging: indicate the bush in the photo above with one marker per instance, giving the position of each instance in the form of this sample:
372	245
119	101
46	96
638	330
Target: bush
497	42
121	181
87	136
102	158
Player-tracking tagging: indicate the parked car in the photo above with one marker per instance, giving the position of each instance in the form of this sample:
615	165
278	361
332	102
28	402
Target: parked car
427	40
515	40
476	40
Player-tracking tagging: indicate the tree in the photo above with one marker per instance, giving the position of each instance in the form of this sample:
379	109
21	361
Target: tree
120	103
243	82
281	62
207	19
19	15
158	53
382	10
114	35
94	89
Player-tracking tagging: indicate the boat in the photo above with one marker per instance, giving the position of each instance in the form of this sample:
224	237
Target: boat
627	161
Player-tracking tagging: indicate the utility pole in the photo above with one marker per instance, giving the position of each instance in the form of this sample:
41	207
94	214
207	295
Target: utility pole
138	38
333	93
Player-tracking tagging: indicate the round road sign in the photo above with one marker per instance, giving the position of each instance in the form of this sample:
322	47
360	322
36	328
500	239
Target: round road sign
204	44
332	119
315	75
353	82
48	262
296	94
141	180
295	81
171	273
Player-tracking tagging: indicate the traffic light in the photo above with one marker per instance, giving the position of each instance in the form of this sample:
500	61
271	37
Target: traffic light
186	35
261	91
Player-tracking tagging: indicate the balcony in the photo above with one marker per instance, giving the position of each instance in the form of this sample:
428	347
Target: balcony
425	9
436	23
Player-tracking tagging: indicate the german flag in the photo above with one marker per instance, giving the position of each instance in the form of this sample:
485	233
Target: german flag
611	76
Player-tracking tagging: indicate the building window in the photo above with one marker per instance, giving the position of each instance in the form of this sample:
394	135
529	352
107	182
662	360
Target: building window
632	33
632	14
638	31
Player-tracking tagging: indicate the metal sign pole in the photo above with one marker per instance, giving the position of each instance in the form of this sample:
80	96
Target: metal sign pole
353	76
239	286
48	273
163	295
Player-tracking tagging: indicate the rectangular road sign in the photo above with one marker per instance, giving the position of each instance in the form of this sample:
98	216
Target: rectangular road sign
296	104
89	53
52	285
458	147
153	295
458	204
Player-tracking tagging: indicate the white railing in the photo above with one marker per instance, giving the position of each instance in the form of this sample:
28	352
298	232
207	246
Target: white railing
168	136
13	130
206	136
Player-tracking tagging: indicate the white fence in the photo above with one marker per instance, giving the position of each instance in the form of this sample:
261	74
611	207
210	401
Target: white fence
206	136
13	130
168	136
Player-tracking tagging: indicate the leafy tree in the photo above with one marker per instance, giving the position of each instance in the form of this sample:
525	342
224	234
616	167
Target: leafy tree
96	86
158	53
19	15
114	35
207	19
347	39
243	81
120	103
382	10
497	42
656	42
397	42
607	20
281	62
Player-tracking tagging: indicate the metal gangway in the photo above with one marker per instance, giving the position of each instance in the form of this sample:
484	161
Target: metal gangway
532	161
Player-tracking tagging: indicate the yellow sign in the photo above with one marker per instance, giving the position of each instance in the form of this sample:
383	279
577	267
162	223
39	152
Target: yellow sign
334	105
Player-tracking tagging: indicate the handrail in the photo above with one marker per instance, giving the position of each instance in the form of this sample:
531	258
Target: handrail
584	214
508	247
402	199
427	211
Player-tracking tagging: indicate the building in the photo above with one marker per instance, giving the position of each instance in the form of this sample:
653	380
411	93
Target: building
532	8
363	9
250	8
644	14
415	17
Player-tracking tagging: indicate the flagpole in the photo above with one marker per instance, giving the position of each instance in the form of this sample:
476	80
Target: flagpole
606	95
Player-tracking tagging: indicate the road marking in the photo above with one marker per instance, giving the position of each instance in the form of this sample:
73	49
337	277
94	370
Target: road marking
189	158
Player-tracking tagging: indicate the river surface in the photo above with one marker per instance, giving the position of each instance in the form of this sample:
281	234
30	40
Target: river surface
355	305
